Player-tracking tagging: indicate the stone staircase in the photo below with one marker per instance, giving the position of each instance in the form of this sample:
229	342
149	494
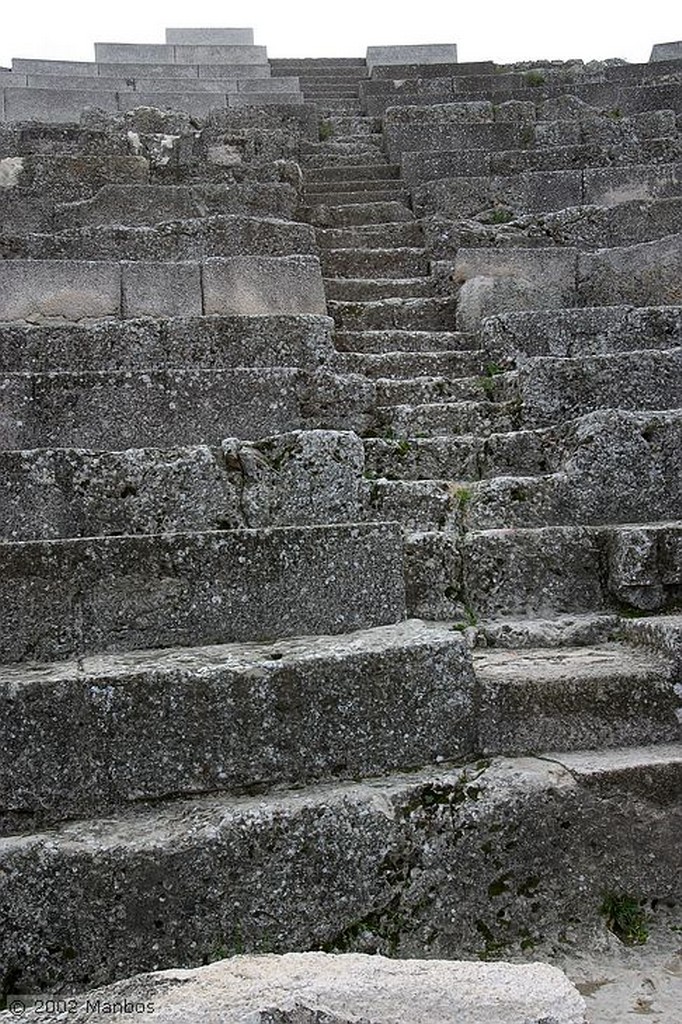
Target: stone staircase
340	546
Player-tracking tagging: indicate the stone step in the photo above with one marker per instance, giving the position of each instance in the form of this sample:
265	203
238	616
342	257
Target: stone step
344	153
363	289
582	227
147	84
402	341
115	409
436	419
421	166
375	262
353	126
216	342
348	184
578	333
397	364
335	65
356	214
235	718
164	53
552	570
183	239
336	105
301	478
567	832
356	194
59	290
66	177
123	69
573	698
68	598
554	389
352	172
422	390
436	314
418	505
560	631
153	204
317	92
506	473
368	236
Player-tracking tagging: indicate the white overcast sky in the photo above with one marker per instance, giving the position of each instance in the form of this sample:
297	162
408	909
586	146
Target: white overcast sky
500	30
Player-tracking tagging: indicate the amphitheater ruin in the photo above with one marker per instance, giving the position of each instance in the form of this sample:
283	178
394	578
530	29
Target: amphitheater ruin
341	517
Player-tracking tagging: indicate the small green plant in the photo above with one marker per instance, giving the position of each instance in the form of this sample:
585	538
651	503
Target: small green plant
493	369
615	114
534	78
402	447
500	216
325	130
626	918
463	496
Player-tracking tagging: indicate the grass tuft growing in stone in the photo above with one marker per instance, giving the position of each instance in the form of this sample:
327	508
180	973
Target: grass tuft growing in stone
626	918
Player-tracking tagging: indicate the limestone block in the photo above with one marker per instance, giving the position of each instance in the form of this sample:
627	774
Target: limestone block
288	84
263	285
61	598
198	104
12	78
666	51
161	289
235	55
240	71
319	988
240	100
433	53
210	36
80	82
648	274
135	53
40	290
184	85
55	105
500	281
133	69
55	67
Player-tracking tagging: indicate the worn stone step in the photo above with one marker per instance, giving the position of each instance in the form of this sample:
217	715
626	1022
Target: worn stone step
333	104
554	389
68	598
356	214
320	93
368	236
402	341
352	172
521	633
356	194
433	419
115	409
573	698
66	177
582	227
153	204
404	314
397	365
300	478
567	832
342	153
335	65
577	333
375	262
362	289
352	126
235	718
418	505
550	570
422	390
371	183
215	342
182	239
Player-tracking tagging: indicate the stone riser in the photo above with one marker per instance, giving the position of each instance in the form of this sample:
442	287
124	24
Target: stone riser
65	599
150	85
230	718
194	874
182	343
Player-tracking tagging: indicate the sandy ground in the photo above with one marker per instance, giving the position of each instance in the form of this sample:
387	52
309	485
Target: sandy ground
623	984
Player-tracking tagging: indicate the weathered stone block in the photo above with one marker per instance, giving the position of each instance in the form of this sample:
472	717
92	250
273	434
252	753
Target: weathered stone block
649	274
209	36
65	598
161	289
263	285
229	717
666	51
55	105
43	290
429	53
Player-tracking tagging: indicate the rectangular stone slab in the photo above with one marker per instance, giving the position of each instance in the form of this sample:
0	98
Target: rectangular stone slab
116	410
55	105
429	53
227	717
61	599
59	290
210	36
135	53
263	284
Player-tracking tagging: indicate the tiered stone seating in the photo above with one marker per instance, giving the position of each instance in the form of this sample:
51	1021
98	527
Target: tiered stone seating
282	382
